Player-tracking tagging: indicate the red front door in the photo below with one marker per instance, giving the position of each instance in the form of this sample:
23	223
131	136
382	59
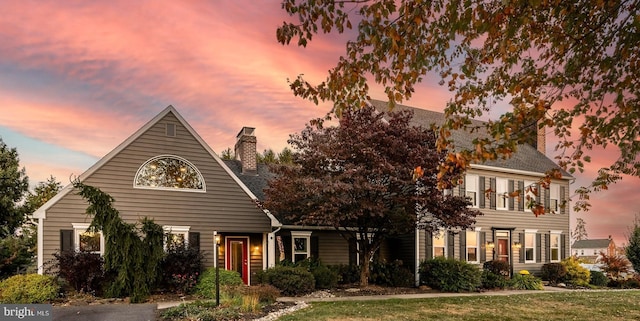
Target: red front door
237	256
503	250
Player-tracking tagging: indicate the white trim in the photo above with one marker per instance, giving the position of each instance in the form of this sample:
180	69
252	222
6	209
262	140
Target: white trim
502	192
40	253
524	246
433	243
473	180
300	235
182	159
79	228
559	247
513	171
477	246
248	239
556	197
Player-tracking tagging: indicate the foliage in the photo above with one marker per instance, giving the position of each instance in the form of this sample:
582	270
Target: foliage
580	232
290	280
598	278
265	293
632	283
83	271
497	267
29	288
202	310
449	275
578	57
17	252
227	154
576	274
553	272
391	274
14	184
347	273
206	287
131	262
42	192
490	280
325	277
613	265
181	267
371	186
525	282
633	249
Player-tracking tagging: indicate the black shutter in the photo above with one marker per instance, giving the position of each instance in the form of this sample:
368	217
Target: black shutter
66	240
547	200
547	247
480	196
539	192
315	247
521	196
492	185
522	248
194	240
353	251
286	242
428	241
538	247
563	206
461	188
483	246
511	199
450	245
463	245
563	245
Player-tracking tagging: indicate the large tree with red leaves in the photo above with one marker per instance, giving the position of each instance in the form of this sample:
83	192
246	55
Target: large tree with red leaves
370	177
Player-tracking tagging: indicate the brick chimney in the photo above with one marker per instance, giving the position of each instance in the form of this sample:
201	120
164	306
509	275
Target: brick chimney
541	138
245	150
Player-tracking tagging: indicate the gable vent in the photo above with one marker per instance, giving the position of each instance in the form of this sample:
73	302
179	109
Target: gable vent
171	130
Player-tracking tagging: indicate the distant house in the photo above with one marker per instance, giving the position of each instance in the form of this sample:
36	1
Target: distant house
589	250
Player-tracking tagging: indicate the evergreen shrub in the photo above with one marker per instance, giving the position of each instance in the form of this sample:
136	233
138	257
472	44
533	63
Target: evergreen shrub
206	286
290	280
598	278
449	275
553	272
29	289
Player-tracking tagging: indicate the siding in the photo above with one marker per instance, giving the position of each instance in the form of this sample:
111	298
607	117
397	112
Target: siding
224	206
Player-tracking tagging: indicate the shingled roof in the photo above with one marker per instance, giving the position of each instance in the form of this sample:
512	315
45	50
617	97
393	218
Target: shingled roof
526	158
591	244
256	183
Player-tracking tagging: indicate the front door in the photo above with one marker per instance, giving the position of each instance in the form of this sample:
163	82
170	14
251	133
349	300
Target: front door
237	256
503	249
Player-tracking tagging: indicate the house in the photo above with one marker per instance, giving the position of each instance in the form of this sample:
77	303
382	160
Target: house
589	250
167	172
508	230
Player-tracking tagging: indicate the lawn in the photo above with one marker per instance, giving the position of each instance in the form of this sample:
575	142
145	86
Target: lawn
587	305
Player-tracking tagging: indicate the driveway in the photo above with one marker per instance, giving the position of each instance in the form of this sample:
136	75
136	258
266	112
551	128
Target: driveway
106	312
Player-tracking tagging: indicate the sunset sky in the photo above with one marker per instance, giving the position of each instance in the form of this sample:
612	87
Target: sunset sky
78	77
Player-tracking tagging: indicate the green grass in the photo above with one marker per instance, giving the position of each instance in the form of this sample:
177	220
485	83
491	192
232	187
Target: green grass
606	305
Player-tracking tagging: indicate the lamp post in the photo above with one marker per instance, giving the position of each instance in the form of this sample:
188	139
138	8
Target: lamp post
217	251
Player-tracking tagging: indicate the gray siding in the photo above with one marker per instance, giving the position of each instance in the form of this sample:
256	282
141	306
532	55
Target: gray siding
224	206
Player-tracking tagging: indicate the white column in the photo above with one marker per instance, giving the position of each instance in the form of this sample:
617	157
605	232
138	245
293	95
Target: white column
40	246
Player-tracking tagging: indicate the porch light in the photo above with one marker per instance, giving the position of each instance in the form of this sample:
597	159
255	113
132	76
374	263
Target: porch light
517	245
491	245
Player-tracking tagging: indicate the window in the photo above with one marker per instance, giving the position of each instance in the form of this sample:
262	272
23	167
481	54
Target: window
502	194
439	243
529	195
300	246
554	191
554	247
471	189
472	246
529	247
170	173
87	241
176	235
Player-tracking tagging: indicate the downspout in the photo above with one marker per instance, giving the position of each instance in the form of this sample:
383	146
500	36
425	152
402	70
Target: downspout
271	248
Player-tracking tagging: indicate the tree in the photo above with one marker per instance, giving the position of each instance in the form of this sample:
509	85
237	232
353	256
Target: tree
14	183
286	156
268	157
613	265
633	249
227	154
580	232
569	66
367	178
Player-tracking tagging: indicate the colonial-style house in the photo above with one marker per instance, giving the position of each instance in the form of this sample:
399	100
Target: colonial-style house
167	172
589	250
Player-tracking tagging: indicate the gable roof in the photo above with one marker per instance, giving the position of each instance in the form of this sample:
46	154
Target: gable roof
257	183
525	159
42	211
591	244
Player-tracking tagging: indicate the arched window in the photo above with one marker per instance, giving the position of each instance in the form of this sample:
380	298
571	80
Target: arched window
170	173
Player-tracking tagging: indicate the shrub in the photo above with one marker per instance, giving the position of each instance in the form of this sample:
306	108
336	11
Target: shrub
497	267
614	265
390	274
576	274
264	292
289	280
83	271
490	280
553	272
325	277
598	278
181	267
525	282
29	288
347	273
206	286
449	275
201	310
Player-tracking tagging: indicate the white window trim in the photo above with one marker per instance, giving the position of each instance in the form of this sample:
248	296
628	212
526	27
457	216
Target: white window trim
433	243
472	181
524	246
182	159
79	228
554	194
559	235
176	229
477	247
528	184
502	192
299	235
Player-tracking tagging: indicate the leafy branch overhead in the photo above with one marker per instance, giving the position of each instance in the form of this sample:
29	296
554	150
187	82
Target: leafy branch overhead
571	67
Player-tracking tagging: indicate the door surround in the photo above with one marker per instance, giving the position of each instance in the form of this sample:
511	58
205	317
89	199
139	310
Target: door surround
230	264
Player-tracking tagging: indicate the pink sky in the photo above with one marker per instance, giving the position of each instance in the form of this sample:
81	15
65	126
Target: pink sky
77	78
